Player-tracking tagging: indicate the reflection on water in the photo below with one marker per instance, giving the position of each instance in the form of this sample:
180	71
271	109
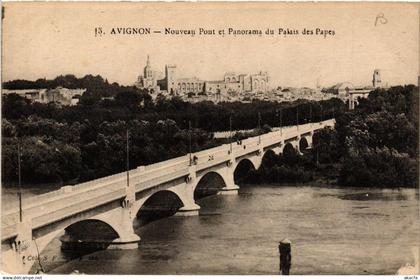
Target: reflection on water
376	194
333	231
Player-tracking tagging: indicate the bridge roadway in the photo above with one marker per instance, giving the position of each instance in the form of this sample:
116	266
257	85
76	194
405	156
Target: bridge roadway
108	199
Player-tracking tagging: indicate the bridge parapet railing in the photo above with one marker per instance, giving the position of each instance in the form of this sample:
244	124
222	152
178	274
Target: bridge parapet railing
89	194
74	208
66	191
159	173
166	163
146	183
290	131
272	140
78	197
214	161
250	141
58	201
273	137
34	212
210	154
43	198
251	147
214	150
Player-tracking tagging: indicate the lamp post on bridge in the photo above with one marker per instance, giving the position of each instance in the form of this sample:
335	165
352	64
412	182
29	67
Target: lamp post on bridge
230	132
297	117
281	121
189	141
259	128
279	114
19	194
310	113
128	158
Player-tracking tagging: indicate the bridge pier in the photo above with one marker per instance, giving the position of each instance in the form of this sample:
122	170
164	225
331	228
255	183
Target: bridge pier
130	241
310	141
231	188
189	210
123	225
186	194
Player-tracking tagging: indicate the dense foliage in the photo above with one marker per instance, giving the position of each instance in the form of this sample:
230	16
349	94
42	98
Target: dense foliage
375	145
380	140
87	141
287	167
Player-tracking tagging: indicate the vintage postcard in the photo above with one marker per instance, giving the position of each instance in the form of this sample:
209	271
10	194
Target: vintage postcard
210	138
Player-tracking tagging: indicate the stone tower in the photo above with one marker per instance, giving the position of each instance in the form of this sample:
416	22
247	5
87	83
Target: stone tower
148	73
170	74
376	78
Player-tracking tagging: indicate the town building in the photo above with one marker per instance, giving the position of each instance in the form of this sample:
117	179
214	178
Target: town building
351	94
59	95
149	79
63	96
232	84
239	83
376	81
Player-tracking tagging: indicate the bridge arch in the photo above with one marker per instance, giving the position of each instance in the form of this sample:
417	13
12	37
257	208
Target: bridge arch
242	169
209	184
291	153
77	239
289	148
268	153
303	144
161	204
88	234
246	161
269	157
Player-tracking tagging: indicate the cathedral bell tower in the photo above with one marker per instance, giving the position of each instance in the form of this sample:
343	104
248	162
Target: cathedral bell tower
148	73
376	78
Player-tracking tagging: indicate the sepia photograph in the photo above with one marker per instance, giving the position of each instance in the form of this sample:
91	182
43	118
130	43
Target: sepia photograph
210	138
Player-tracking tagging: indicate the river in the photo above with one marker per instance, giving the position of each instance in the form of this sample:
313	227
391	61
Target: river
333	231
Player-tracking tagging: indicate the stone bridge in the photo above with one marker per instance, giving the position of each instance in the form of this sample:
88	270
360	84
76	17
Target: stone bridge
105	212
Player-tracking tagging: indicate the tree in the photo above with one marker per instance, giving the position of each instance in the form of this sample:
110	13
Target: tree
325	146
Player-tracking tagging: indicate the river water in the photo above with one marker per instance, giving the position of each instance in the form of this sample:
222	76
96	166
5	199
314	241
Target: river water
333	231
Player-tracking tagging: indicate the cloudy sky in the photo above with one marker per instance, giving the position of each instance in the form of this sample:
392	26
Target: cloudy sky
49	39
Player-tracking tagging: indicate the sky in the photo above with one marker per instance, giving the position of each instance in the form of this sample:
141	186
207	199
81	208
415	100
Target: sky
49	39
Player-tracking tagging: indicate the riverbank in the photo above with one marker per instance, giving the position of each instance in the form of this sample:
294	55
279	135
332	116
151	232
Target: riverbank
294	168
274	171
363	193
